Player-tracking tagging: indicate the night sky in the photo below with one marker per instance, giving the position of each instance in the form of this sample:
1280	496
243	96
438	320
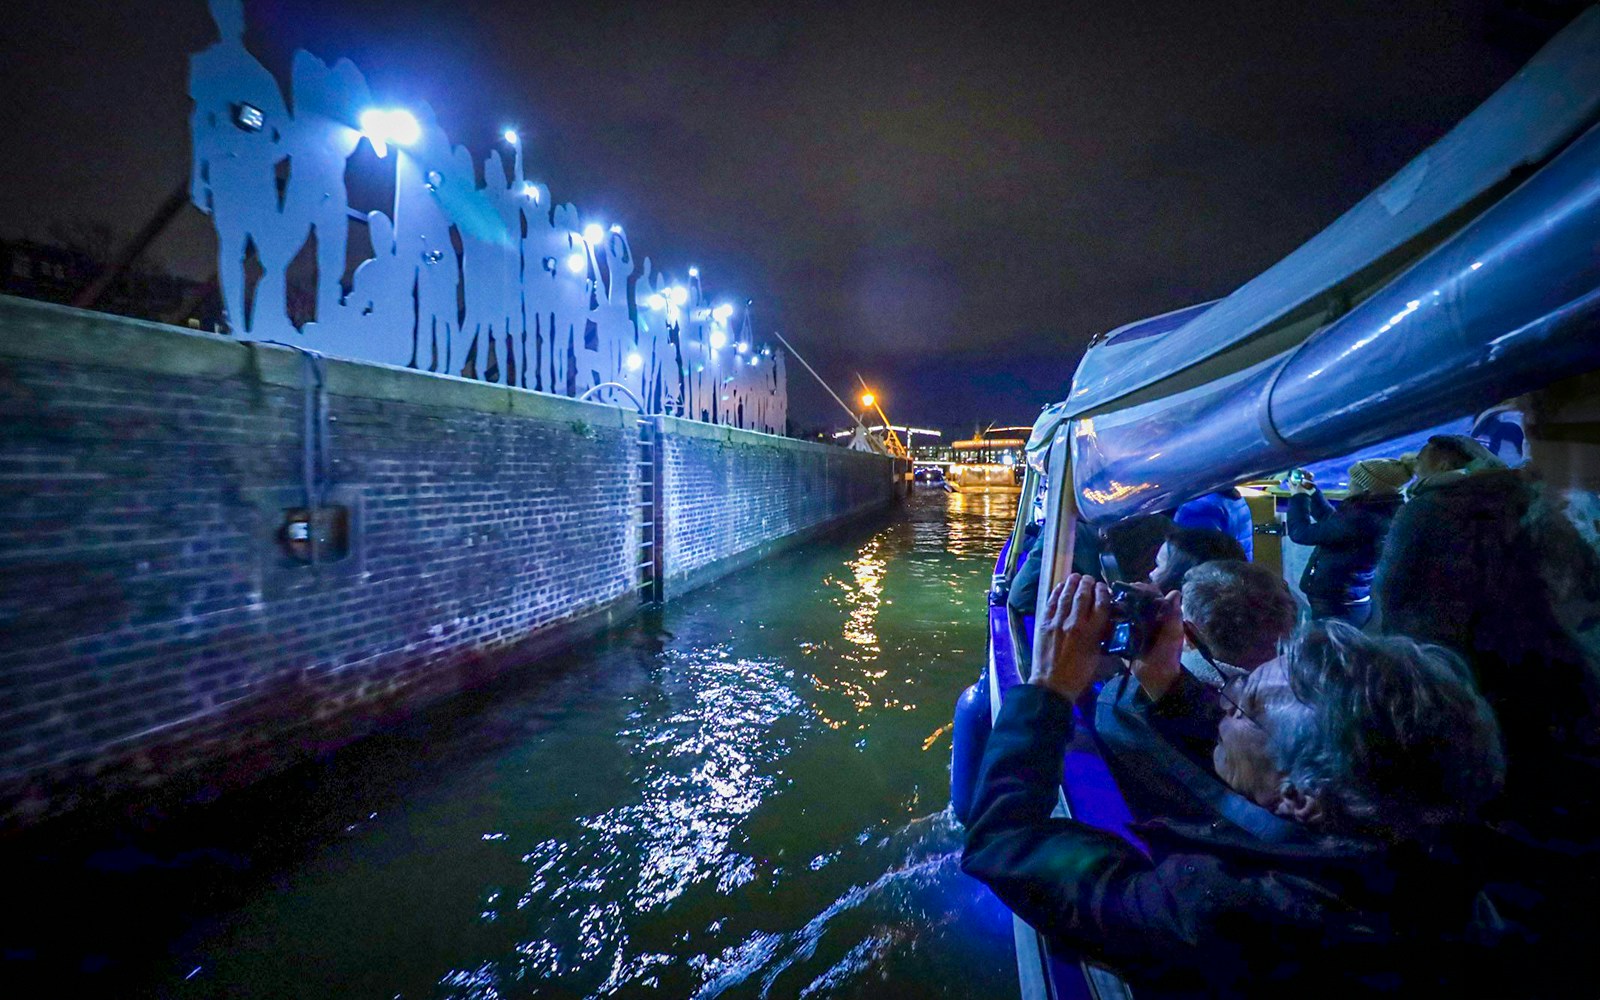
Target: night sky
950	200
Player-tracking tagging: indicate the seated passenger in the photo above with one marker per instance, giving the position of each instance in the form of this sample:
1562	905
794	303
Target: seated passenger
1186	548
1022	596
1448	457
1338	578
1490	565
1234	615
1371	744
1225	511
1023	593
1129	547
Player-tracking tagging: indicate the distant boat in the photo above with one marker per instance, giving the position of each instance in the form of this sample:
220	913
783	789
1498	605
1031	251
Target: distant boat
993	458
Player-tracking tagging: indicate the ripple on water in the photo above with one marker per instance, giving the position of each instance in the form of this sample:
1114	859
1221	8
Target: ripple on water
721	813
918	905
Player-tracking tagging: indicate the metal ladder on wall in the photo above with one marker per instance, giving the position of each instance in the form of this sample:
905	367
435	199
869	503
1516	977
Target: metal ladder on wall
648	525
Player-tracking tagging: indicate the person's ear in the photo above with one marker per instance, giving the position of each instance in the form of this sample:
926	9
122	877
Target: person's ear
1299	805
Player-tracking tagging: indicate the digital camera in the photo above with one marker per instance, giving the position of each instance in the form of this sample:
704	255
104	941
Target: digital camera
1134	616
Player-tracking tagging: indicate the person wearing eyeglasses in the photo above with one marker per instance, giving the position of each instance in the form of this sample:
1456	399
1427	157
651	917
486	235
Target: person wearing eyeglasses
1156	729
1378	745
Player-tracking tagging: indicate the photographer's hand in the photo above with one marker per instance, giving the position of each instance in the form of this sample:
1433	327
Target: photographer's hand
1068	635
1161	664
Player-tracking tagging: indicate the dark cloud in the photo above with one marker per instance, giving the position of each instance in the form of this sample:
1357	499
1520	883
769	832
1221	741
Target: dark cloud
950	199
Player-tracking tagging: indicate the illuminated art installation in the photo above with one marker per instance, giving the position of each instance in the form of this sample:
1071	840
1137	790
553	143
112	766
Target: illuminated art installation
490	281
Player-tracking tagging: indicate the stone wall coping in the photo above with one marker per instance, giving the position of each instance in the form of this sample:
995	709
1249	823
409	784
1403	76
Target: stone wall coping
44	331
684	427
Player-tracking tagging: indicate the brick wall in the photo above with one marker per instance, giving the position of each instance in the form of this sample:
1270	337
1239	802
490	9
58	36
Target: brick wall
732	496
157	628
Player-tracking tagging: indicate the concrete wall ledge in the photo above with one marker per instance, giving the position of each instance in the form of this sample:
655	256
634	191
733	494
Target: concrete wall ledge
42	331
684	427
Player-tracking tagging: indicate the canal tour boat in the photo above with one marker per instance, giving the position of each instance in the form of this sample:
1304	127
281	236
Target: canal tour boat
992	458
1469	278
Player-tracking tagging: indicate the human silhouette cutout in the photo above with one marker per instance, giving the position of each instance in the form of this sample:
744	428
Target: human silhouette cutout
425	181
487	278
573	297
379	317
320	141
506	197
237	128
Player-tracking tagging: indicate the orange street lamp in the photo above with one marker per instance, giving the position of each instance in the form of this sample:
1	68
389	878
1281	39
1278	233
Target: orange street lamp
891	440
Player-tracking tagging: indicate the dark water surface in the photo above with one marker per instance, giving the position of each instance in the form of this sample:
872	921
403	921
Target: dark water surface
743	796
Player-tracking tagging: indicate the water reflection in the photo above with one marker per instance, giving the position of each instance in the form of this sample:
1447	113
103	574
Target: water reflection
916	906
866	596
746	801
701	760
972	523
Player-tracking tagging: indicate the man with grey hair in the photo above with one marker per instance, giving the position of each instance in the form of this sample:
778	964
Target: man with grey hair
1237	613
1370	746
1157	733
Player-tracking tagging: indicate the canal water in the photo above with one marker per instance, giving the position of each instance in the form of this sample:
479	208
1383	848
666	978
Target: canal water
744	795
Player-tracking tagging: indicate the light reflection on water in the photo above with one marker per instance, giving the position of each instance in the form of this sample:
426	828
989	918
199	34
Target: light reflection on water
700	772
748	804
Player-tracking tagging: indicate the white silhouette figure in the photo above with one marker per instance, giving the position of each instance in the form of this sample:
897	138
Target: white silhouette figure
237	128
424	189
573	300
656	345
507	198
385	315
616	335
491	280
323	135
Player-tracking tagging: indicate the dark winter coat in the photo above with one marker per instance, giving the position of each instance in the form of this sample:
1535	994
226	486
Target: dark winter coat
1160	755
1348	542
1212	908
1490	566
1225	511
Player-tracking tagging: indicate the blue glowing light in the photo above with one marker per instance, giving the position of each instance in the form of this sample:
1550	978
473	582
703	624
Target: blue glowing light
390	125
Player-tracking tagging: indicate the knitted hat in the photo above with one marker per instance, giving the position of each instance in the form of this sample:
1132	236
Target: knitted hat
1379	476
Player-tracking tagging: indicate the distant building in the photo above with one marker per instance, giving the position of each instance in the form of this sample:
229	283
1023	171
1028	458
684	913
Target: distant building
53	273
